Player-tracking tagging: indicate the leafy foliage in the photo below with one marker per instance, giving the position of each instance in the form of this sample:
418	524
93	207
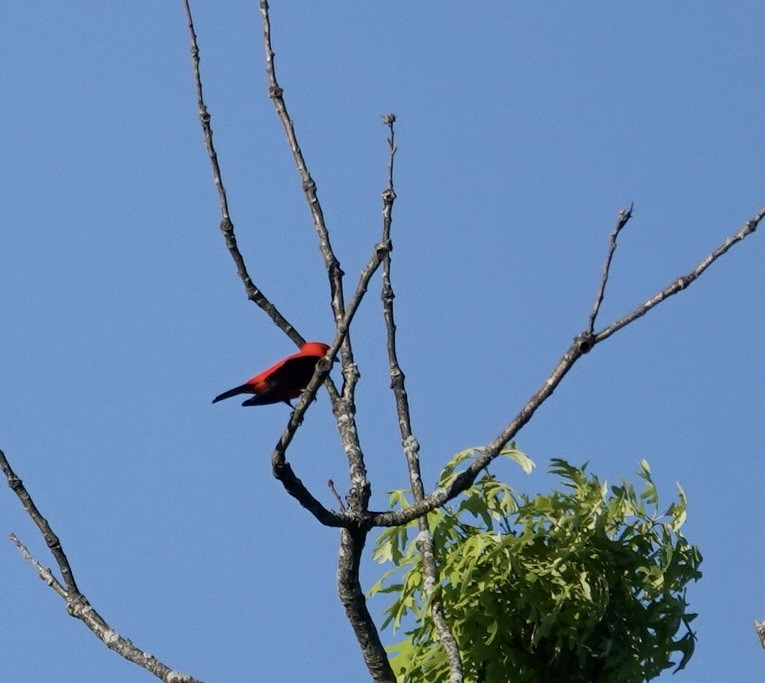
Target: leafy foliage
584	584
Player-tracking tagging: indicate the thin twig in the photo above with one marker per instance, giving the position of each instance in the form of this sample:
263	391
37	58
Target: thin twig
276	93
333	490
253	293
44	572
77	604
682	282
582	344
51	540
411	446
621	221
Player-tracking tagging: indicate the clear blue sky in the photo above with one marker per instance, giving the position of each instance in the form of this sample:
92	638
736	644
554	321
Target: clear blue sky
523	129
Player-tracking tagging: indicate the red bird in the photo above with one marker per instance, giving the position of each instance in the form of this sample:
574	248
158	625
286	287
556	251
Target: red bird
282	381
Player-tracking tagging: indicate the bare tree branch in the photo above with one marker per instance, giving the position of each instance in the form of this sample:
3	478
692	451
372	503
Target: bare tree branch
357	520
333	491
582	344
759	629
51	540
349	588
276	93
621	221
682	282
410	444
342	406
280	467
44	572
352	541
254	294
77	604
284	474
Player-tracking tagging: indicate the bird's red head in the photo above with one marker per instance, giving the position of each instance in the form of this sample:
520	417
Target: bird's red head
314	349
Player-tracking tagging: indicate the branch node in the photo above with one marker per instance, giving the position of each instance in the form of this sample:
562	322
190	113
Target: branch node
387	294
585	341
383	249
336	269
275	92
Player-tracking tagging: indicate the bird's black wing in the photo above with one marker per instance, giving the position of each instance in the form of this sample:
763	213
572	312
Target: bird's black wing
286	382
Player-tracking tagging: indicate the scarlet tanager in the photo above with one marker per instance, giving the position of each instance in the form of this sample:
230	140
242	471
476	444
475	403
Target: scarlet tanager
282	381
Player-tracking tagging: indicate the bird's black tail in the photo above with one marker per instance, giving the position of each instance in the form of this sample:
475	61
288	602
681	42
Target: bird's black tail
243	389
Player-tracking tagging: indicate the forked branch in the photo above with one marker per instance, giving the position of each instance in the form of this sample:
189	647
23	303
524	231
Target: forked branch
343	406
77	604
285	474
621	221
281	468
582	344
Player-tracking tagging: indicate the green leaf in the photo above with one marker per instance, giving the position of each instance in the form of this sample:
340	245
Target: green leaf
511	452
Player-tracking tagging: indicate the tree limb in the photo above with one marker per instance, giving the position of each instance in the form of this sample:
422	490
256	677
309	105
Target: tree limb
77	604
276	93
621	221
349	589
682	282
411	446
582	344
342	406
281	470
254	294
